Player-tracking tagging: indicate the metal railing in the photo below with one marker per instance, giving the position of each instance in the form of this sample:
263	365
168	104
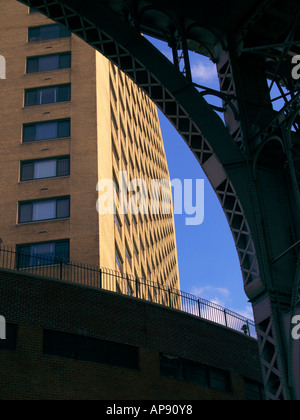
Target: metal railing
113	281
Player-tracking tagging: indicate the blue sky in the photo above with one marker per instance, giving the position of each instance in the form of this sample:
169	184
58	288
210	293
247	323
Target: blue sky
208	263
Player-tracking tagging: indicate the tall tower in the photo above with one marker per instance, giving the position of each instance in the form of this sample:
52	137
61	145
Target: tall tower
70	119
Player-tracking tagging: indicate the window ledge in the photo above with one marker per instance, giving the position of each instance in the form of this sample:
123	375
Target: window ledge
44	221
40	141
39	106
43	41
44	179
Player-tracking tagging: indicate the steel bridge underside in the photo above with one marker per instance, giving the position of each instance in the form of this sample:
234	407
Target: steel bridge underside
253	160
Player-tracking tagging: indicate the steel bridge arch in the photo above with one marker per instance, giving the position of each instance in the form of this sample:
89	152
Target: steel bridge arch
217	149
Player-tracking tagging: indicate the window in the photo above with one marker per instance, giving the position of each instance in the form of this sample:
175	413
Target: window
147	243
148	271
46	168
219	380
141	245
169	366
194	372
58	208
47	95
135	249
127	222
118	224
119	260
123	157
40	254
11	338
127	254
116	185
43	33
46	130
115	151
49	62
254	391
92	350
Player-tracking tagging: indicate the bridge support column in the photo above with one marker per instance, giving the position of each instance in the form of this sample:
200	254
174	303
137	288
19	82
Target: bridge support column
274	224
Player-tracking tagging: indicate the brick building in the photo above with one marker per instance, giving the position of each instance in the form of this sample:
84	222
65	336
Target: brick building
70	119
68	341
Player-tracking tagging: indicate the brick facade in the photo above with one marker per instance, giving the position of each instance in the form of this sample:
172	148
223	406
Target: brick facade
36	304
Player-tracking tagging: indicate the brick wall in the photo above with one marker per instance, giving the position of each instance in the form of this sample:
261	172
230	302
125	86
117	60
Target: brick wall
36	304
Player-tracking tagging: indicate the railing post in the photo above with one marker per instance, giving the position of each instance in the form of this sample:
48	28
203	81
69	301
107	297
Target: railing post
137	287
61	269
170	300
17	260
199	306
225	313
100	272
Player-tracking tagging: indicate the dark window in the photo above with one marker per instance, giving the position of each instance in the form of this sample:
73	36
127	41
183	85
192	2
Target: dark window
63	208
63	166
40	254
90	350
63	129
46	168
170	366
25	214
64	93
11	338
27	171
46	32
49	62
29	132
119	260
34	211
62	251
46	130
219	380
254	391
34	34
59	344
194	372
47	95
65	61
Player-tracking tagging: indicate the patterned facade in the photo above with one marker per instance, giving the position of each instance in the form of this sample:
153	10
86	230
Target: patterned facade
70	119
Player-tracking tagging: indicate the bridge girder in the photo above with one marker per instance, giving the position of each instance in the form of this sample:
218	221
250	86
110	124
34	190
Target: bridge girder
252	161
